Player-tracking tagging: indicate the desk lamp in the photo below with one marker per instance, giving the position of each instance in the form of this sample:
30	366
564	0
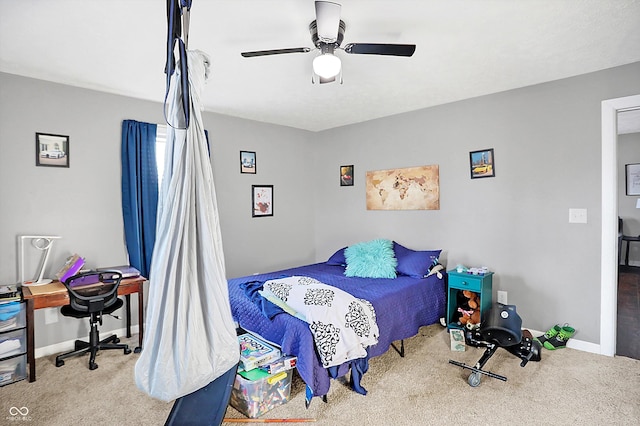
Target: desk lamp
42	243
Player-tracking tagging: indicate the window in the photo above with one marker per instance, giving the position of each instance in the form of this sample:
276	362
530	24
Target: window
161	144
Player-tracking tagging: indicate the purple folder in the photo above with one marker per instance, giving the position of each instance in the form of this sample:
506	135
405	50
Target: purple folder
72	270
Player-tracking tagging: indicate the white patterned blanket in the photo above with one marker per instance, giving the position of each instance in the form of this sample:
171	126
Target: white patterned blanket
342	325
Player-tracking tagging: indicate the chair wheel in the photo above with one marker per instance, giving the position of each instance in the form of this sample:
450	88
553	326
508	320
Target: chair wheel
474	379
59	363
127	351
116	340
93	366
137	350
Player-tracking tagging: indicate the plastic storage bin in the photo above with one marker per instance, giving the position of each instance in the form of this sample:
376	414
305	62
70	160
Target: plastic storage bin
13	369
254	398
10	322
12	343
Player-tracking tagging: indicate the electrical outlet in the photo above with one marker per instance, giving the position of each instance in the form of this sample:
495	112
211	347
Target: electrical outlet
577	215
50	316
502	297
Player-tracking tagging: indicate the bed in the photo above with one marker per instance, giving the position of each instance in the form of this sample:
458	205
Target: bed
402	305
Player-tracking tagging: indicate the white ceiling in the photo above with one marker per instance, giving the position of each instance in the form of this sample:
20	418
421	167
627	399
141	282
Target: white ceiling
465	48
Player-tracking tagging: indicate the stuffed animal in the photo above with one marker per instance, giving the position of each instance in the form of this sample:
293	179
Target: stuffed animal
470	309
436	268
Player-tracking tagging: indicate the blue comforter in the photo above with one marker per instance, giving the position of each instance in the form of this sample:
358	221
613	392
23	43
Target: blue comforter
402	306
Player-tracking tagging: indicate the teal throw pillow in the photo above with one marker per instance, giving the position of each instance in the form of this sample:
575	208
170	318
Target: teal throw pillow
371	259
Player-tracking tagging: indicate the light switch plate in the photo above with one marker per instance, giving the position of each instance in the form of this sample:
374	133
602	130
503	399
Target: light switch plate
577	215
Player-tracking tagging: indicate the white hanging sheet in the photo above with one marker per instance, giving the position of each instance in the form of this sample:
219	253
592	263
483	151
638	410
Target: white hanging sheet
190	337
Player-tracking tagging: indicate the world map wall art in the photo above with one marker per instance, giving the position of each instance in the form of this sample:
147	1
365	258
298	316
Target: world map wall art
412	188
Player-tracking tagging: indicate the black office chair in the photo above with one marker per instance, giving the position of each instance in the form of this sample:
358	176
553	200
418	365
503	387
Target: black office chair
92	294
620	235
626	238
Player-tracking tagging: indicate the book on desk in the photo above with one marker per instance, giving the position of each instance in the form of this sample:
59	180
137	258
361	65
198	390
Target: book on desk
127	271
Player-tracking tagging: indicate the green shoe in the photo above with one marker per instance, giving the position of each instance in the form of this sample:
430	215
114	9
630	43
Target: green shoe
552	332
560	340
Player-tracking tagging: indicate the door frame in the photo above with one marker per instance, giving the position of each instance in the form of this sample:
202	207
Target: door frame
609	246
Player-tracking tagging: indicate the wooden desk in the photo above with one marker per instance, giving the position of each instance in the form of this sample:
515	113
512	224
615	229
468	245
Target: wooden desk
60	297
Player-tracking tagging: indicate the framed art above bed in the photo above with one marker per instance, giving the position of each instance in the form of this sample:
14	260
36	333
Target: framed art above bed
411	188
482	164
346	175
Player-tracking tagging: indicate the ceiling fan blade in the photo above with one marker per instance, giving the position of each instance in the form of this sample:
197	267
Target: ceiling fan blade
328	20
380	49
275	52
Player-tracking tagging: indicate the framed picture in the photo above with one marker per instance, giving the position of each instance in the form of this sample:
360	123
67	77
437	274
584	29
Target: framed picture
52	150
346	175
409	188
482	164
261	200
248	162
632	173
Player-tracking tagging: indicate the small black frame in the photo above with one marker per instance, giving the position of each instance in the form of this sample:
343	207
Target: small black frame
261	200
248	162
632	178
346	175
52	150
482	164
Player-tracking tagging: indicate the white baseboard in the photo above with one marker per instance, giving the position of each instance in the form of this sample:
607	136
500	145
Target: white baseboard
580	345
68	345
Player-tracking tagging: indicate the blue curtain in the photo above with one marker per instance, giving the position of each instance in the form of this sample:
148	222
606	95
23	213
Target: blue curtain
139	192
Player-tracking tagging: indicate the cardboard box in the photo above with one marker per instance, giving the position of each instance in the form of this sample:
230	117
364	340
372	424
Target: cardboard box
253	398
285	363
255	352
457	340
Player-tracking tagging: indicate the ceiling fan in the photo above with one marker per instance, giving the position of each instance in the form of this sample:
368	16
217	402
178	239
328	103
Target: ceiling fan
327	33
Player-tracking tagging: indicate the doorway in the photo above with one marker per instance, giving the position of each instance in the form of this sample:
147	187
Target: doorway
609	249
628	295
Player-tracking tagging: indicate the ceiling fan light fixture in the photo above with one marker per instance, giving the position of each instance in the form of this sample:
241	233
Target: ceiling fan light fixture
327	65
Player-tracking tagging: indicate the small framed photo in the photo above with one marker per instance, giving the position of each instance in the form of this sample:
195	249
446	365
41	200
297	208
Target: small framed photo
346	175
261	200
52	150
248	162
632	173
482	164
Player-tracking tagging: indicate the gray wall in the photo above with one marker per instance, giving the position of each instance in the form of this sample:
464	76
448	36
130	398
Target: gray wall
262	244
628	153
82	203
547	151
547	141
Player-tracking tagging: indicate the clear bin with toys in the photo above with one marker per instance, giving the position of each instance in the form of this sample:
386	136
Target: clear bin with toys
253	398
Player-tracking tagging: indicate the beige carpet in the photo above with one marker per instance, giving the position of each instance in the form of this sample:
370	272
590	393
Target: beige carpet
566	387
